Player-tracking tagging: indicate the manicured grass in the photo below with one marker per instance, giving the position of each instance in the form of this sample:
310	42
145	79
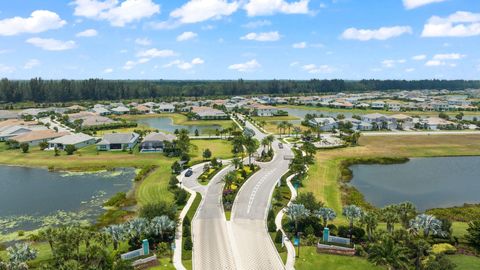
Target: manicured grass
180	119
464	262
220	148
187	254
324	174
311	260
275	118
154	188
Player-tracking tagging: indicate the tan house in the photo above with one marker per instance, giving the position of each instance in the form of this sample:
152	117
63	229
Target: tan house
36	137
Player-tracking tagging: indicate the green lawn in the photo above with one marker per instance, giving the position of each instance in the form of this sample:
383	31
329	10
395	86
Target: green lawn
275	118
464	262
180	119
311	260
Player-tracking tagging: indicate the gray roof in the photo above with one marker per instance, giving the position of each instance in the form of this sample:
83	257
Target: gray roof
72	139
4	114
160	136
119	138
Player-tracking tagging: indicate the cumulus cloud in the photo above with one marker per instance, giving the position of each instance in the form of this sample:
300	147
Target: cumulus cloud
4	69
118	14
300	45
195	11
185	65
411	4
408	70
50	44
382	33
270	7
156	53
419	57
446	59
143	41
448	56
267	36
186	36
88	33
39	21
389	63
31	64
314	69
108	70
245	67
458	24
257	24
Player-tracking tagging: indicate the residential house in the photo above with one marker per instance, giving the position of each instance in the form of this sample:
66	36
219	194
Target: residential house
36	137
324	124
166	108
264	110
142	109
377	105
155	142
207	113
118	141
382	121
394	107
435	123
101	111
120	110
13	131
5	115
402	121
78	140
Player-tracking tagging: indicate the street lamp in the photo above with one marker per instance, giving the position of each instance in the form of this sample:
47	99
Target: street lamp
299	236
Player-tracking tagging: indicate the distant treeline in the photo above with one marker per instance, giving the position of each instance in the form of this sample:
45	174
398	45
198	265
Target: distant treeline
38	90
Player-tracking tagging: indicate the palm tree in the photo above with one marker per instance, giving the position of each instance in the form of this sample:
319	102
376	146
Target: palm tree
48	235
427	223
390	216
370	220
387	253
280	127
289	126
270	139
265	142
296	131
420	249
251	147
229	179
309	149
296	212
18	255
406	212
116	233
326	214
161	225
352	213
136	227
237	163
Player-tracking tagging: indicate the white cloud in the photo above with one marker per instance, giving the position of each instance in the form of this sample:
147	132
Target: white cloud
434	63
143	41
270	7
118	14
39	21
408	70
411	4
31	64
185	65
459	24
382	33
267	36
4	69
87	33
51	44
154	53
186	36
300	45
257	24
448	56
294	64
389	63
419	57
314	69
129	65
245	67
108	70
195	11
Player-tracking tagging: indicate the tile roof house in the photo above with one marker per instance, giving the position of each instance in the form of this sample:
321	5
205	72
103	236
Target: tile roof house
78	140
207	113
13	131
118	141
120	110
4	115
155	142
35	137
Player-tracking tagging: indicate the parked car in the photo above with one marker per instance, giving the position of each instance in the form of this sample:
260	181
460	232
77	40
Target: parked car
280	145
189	172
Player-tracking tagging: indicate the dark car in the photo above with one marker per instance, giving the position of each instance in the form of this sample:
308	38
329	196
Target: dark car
189	172
280	145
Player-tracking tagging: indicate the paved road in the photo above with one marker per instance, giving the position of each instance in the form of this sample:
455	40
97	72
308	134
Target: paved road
251	241
211	244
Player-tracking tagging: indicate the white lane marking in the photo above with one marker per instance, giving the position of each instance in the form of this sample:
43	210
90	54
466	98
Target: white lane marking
255	189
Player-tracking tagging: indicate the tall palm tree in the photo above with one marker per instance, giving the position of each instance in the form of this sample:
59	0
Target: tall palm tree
388	253
116	233
270	139
265	143
280	127
295	212
352	213
370	220
237	163
289	126
406	212
296	131
326	214
229	179
251	147
390	216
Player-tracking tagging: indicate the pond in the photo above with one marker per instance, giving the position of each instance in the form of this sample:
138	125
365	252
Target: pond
31	198
426	182
166	124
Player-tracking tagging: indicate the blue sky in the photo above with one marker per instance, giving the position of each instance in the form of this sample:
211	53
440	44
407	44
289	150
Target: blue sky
231	39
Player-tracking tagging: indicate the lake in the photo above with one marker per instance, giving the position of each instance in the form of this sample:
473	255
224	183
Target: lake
166	124
426	182
31	198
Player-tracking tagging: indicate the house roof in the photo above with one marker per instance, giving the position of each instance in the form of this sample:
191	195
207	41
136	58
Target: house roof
13	122
374	115
38	135
4	114
401	116
160	136
119	138
121	109
13	129
72	139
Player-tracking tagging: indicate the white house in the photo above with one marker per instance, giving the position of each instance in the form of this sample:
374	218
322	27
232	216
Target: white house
166	108
264	110
377	105
394	107
324	124
79	140
118	141
120	110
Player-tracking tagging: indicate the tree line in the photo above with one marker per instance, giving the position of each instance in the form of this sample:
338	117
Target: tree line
39	90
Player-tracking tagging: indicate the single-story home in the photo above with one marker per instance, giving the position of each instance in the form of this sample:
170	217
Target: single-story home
264	110
324	124
78	140
13	131
166	108
120	110
5	115
155	142
435	123
207	113
101	111
35	137
118	141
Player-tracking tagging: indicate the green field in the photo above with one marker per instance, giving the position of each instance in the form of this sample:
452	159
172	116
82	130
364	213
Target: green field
180	119
464	262
311	260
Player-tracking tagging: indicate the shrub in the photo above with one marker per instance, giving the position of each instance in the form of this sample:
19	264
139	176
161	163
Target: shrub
43	145
188	245
70	149
278	237
181	197
117	200
443	248
151	210
24	147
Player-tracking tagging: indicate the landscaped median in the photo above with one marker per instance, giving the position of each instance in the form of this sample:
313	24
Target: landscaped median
233	182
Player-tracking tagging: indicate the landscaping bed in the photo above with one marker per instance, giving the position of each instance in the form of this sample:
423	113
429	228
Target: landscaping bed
233	182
